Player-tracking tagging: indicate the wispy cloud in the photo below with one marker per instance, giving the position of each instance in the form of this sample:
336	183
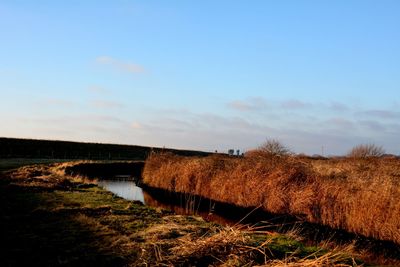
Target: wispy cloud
74	119
97	89
215	132
120	65
383	114
136	125
104	119
337	106
261	104
340	123
106	104
56	102
211	131
373	125
250	104
295	104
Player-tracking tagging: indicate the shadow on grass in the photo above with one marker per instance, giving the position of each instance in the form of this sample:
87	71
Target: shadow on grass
31	234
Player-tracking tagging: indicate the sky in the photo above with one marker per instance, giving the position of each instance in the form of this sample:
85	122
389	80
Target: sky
319	76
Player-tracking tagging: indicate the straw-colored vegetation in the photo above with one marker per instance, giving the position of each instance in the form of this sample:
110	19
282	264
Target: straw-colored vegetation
366	150
50	219
360	195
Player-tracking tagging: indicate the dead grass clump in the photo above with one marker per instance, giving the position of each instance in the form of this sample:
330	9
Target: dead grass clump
360	195
224	242
236	246
49	177
333	259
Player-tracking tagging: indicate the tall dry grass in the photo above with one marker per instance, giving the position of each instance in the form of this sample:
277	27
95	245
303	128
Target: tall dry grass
355	194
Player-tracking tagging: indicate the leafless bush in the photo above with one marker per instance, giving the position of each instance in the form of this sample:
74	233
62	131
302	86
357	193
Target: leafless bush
366	150
274	147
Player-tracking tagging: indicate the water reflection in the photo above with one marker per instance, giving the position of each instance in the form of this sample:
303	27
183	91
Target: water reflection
124	189
183	204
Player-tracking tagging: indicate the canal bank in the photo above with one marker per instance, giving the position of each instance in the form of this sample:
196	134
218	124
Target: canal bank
50	219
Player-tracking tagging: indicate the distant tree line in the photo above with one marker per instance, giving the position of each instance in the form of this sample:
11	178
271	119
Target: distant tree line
47	149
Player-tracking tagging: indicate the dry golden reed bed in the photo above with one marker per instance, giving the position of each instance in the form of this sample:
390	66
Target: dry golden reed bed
357	195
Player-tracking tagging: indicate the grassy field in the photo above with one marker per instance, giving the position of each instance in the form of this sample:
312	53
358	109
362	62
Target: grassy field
361	196
13	163
50	219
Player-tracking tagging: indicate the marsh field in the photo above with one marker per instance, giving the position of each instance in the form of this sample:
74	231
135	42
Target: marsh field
200	133
60	213
49	218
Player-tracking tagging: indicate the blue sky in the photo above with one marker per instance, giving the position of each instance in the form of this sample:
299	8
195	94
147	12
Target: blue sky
209	75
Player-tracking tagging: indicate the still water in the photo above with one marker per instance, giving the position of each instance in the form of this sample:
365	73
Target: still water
178	203
124	189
